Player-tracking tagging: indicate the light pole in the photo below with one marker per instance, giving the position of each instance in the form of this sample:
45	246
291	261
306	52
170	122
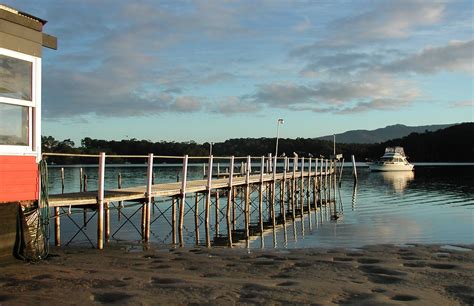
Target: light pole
279	121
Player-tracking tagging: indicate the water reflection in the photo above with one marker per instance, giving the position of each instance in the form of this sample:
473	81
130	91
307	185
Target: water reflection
398	179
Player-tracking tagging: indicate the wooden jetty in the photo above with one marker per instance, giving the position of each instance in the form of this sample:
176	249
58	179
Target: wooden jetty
288	188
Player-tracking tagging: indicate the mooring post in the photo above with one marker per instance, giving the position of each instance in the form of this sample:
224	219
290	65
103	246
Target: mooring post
230	198
183	198
354	167
270	163
100	202
208	198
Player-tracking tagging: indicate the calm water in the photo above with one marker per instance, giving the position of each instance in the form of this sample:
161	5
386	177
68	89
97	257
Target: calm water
434	204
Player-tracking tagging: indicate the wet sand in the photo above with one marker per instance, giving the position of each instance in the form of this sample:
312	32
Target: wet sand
372	275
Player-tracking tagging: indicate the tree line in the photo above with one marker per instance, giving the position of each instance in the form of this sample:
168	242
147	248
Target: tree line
453	144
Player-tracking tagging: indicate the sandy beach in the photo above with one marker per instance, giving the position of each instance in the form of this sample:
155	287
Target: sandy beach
372	275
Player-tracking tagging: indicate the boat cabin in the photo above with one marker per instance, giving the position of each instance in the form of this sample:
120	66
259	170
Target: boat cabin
21	42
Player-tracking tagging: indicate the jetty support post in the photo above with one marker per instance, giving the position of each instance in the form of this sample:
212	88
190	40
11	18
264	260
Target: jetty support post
315	183
148	197
293	187
196	216
247	200
208	198
283	190
100	202
183	199
302	187
230	198
308	194
260	196
273	200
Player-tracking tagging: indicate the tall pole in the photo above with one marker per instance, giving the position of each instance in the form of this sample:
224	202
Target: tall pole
334	146
279	121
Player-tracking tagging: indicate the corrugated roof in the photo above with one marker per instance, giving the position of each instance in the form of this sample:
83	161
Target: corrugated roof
23	14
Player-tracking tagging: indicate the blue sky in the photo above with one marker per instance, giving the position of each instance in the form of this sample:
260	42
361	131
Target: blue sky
213	70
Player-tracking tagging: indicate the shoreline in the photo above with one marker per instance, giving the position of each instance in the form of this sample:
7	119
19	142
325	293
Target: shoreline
123	274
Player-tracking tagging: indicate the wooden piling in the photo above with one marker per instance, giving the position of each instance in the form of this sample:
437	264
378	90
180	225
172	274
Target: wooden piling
216	217
57	227
120	203
354	169
260	196
247	201
173	220
62	180
148	197
183	199
208	199
107	221
230	197
196	217
100	202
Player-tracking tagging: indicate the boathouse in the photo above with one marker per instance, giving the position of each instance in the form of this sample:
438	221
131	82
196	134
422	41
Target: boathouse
21	42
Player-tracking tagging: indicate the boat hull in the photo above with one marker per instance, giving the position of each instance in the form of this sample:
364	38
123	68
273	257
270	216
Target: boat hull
391	167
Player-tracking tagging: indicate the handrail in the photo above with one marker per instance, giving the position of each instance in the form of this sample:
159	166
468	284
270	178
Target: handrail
161	156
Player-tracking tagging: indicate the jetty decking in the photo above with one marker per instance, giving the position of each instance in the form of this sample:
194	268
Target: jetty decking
269	196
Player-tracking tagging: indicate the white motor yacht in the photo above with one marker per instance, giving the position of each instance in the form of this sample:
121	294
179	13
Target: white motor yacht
394	159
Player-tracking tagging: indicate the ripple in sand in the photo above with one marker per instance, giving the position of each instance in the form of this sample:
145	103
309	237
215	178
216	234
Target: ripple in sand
368	260
288	284
404	298
343	259
111	297
419	264
168	282
443	266
379	270
5	298
384	279
455	248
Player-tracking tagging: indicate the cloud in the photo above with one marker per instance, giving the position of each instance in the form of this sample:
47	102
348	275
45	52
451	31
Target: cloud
186	104
456	56
388	20
303	25
234	105
374	91
463	104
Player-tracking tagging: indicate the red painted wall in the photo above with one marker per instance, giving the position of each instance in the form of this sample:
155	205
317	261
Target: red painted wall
18	178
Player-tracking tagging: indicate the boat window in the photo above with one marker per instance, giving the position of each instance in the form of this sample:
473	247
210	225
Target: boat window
15	78
14	125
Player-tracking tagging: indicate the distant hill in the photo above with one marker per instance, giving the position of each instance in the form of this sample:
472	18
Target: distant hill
382	134
454	143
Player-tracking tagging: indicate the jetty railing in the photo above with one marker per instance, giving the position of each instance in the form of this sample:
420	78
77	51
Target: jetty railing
287	187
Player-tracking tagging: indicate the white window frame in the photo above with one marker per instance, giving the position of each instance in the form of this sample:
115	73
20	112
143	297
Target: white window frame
34	108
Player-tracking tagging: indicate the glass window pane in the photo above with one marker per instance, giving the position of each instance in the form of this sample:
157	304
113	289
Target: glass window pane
15	78
13	125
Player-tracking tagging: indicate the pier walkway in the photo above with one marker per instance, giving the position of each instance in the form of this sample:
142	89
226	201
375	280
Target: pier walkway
247	202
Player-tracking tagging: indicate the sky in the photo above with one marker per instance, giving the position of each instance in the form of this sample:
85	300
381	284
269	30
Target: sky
214	70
